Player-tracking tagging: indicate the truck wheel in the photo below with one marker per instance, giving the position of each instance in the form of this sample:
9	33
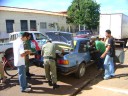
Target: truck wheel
81	71
9	53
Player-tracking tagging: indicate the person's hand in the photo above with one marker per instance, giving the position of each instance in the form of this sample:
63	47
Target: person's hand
28	51
103	56
63	51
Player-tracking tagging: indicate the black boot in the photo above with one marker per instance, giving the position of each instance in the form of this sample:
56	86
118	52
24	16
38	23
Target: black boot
27	74
50	83
30	74
55	86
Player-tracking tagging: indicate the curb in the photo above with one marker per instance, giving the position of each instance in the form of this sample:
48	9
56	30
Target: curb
85	83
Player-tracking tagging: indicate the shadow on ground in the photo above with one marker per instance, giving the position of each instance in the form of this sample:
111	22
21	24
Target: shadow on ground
100	77
68	84
10	82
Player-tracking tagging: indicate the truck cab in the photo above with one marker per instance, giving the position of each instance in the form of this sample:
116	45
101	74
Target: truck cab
35	35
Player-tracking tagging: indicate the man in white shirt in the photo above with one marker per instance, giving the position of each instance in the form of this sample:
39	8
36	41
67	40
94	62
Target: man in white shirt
19	60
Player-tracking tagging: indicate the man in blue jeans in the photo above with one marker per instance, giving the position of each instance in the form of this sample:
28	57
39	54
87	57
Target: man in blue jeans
109	57
19	60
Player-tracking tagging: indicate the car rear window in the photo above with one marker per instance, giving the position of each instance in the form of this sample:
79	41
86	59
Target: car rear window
84	32
62	37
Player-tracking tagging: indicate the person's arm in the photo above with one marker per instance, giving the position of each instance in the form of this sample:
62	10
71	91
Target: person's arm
23	53
107	48
106	51
42	50
27	52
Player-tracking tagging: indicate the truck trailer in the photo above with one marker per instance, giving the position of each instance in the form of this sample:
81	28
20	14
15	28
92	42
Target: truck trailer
117	23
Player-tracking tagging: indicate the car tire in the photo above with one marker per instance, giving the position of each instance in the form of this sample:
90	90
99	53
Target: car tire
81	71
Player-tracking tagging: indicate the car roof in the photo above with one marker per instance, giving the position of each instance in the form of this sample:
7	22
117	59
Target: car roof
58	32
25	31
80	39
84	30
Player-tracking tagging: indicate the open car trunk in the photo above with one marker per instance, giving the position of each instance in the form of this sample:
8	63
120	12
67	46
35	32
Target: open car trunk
61	37
66	49
63	40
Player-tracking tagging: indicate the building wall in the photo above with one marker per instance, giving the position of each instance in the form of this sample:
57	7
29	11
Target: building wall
17	16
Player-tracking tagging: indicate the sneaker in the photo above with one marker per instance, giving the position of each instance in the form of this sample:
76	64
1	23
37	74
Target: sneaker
106	78
27	90
28	86
55	86
50	83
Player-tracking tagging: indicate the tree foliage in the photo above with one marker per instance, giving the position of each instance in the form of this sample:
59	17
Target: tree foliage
84	12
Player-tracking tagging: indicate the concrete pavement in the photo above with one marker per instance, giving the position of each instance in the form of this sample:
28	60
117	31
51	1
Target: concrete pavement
117	86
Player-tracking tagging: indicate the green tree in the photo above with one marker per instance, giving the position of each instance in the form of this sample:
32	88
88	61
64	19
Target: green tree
84	12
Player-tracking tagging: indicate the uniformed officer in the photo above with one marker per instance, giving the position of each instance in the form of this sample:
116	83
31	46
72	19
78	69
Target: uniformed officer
49	55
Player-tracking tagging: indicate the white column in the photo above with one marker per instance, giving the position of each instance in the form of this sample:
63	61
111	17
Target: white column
69	27
56	27
84	27
38	26
79	27
14	27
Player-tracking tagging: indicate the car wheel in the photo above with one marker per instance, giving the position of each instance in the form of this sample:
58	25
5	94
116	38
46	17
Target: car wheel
81	70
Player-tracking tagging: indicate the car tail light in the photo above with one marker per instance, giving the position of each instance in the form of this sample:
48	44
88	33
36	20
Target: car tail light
63	62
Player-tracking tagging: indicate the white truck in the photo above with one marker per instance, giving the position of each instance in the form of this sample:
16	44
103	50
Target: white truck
117	23
38	36
64	39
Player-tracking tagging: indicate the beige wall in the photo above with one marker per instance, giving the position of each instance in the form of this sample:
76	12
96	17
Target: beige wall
17	16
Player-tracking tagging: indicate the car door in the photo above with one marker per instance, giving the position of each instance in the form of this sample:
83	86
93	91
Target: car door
84	51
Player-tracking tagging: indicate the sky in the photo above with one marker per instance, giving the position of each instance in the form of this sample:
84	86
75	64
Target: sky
107	6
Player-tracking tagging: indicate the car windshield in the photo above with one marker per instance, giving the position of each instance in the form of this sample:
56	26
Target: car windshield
58	36
39	36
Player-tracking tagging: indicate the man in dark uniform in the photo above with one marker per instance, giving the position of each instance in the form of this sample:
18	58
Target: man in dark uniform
49	54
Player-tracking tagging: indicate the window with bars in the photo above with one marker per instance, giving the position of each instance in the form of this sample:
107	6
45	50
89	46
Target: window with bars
9	26
33	25
24	25
43	25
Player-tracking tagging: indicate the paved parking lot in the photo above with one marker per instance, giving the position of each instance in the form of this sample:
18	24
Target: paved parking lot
69	84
